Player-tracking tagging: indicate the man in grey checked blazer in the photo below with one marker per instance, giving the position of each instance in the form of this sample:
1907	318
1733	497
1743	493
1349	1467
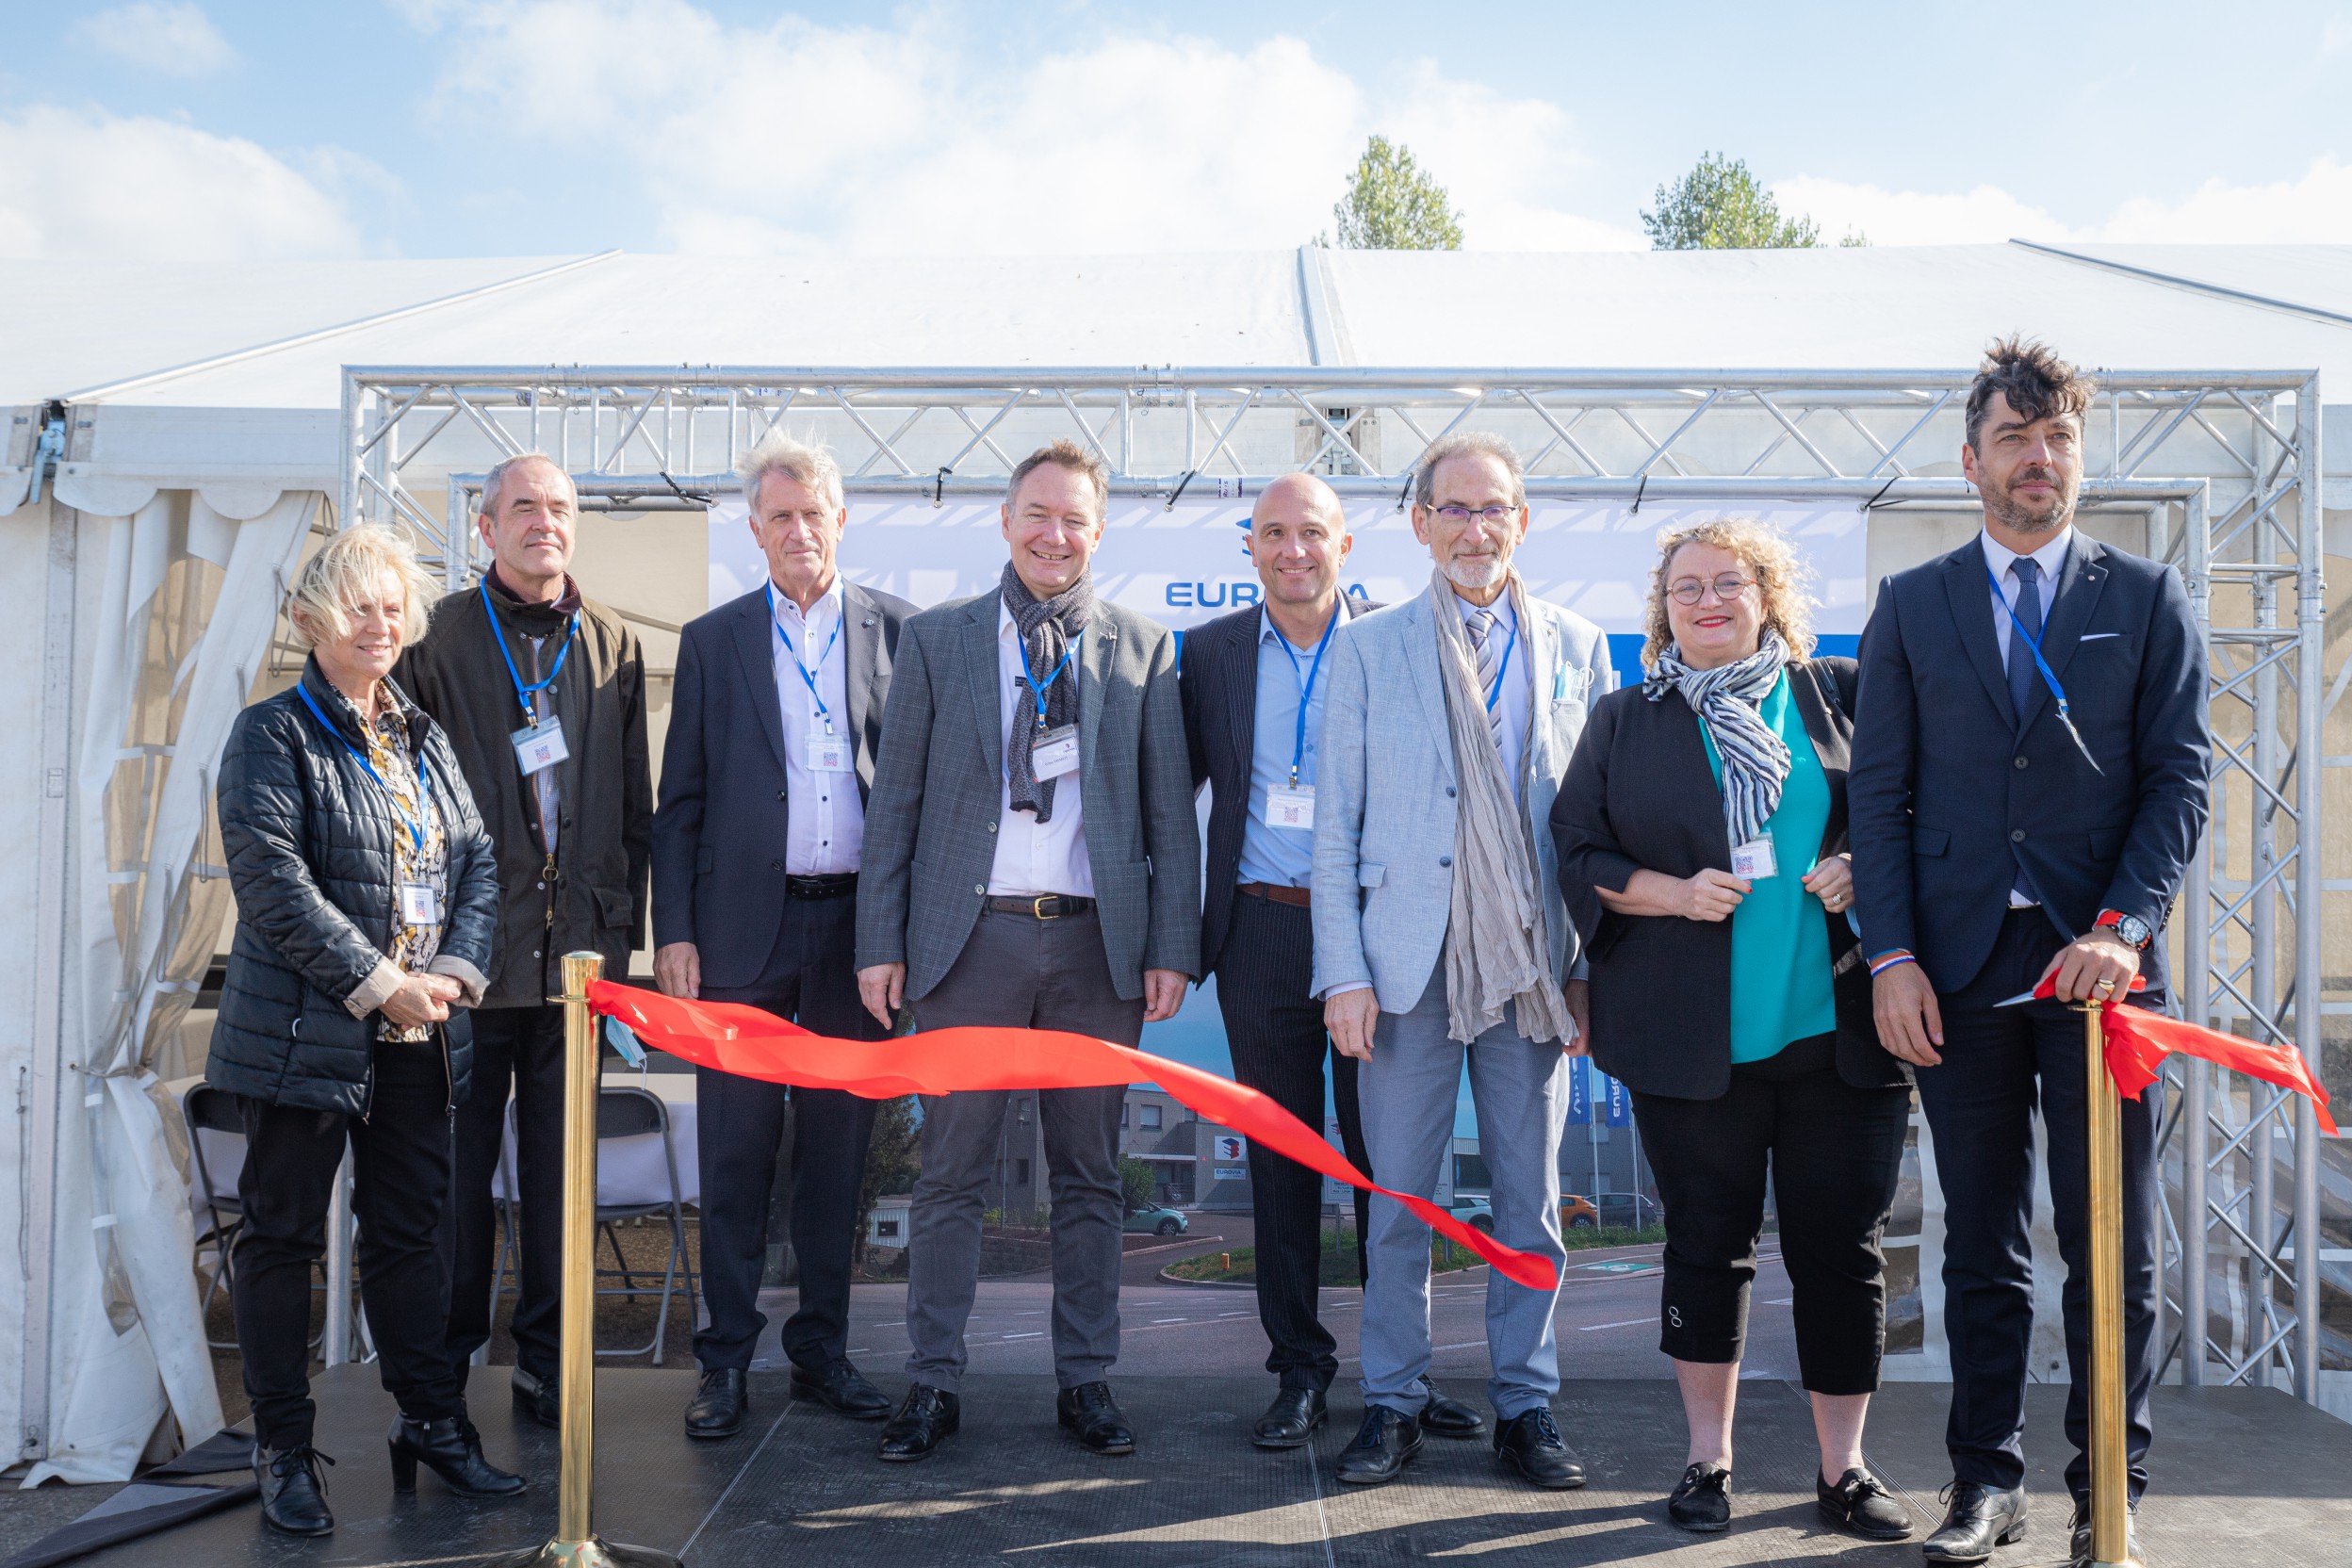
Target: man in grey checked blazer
1031	861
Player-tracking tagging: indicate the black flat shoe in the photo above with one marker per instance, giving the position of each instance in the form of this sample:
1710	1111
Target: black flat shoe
841	1386
293	1493
536	1397
1291	1420
718	1406
1444	1417
1701	1501
1860	1504
1976	1519
1090	1413
926	1417
1385	1443
452	1450
1530	1443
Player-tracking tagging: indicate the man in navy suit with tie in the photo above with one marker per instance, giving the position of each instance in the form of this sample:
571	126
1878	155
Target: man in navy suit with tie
2029	784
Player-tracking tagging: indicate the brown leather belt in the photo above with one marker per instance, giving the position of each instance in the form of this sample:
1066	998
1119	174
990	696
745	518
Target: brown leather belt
1275	892
1041	906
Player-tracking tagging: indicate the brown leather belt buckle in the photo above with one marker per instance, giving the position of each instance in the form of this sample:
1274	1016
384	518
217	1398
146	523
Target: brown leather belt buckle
1276	892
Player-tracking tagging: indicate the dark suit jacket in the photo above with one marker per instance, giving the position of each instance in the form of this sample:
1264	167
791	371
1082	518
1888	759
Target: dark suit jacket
1640	797
721	827
1220	685
1947	787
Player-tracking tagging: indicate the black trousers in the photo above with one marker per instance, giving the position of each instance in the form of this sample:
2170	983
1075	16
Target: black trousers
1835	1152
401	1170
1275	1031
521	1047
2001	1063
812	980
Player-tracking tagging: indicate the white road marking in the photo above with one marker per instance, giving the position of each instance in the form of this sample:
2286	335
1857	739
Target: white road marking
1628	1323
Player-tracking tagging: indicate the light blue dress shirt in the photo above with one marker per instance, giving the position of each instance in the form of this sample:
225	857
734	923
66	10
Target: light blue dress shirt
1282	856
1517	693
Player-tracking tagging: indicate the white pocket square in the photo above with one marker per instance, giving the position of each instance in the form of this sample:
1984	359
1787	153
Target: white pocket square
2095	636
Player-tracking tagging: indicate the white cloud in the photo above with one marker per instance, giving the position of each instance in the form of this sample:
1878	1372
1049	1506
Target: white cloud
2313	210
91	183
1914	216
177	40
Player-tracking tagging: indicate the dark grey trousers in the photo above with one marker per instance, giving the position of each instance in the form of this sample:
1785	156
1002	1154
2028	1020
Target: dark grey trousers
1019	971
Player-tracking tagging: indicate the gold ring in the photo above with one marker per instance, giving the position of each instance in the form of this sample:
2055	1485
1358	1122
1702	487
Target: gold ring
2103	986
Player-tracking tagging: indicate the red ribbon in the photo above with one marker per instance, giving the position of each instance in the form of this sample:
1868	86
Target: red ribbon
749	1043
2138	1040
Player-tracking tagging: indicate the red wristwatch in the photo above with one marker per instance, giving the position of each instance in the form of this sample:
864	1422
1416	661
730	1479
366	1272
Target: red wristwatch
2133	930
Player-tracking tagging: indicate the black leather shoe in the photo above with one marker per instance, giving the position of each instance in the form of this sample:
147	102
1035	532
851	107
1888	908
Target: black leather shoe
1090	1413
1701	1501
1290	1421
843	1388
926	1417
1444	1417
452	1450
293	1493
1976	1519
1385	1443
536	1397
1531	1445
718	1406
2079	1555
1860	1504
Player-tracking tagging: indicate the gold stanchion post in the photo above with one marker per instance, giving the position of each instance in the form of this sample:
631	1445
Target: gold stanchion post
2110	1515
576	1545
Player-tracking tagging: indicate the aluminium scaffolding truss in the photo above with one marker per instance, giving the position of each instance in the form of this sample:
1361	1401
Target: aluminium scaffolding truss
2223	465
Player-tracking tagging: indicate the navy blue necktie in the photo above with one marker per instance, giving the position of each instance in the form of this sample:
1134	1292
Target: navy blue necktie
2022	675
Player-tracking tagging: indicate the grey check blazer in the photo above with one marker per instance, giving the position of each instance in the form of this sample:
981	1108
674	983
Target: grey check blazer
931	820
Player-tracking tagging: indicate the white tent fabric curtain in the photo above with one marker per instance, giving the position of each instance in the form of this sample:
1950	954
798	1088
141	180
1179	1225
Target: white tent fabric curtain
185	605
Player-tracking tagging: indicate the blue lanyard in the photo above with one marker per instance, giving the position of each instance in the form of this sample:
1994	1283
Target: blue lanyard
1306	688
1035	690
2049	677
524	694
1494	693
807	680
415	825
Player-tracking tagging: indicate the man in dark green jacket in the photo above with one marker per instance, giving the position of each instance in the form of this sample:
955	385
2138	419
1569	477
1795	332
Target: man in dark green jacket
541	694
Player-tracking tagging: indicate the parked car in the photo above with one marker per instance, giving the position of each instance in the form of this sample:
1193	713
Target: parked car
1472	1210
1153	1220
1478	1212
1615	1210
1576	1214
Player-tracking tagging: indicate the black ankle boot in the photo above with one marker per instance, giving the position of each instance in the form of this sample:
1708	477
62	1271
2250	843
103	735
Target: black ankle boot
293	1493
452	1450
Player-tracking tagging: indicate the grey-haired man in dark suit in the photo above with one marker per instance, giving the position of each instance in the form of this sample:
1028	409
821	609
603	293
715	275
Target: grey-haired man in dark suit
1031	861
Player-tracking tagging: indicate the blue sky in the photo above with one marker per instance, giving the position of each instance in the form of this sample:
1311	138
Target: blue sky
439	128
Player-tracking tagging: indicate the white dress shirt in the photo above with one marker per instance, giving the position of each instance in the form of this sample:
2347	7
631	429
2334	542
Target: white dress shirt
2052	558
1518	685
827	820
1032	858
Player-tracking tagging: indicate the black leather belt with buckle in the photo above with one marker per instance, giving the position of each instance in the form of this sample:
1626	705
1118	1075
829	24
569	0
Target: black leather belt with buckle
1041	906
837	885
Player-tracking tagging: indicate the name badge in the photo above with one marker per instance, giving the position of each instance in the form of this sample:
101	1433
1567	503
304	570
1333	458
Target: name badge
1753	861
1054	753
540	747
421	904
1290	806
829	753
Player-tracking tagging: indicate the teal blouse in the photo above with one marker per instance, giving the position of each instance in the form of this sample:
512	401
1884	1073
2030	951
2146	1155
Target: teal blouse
1780	981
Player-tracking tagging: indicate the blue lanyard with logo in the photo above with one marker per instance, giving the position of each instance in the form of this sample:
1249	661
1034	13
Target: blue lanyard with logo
524	694
2049	677
415	824
1494	693
1306	688
807	679
1035	690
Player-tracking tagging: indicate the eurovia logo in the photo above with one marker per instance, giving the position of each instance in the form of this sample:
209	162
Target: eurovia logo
1226	594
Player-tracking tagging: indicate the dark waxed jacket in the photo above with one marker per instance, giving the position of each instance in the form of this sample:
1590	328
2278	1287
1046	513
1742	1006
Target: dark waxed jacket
309	841
596	901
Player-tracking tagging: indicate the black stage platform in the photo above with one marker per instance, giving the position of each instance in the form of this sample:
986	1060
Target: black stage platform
2243	1476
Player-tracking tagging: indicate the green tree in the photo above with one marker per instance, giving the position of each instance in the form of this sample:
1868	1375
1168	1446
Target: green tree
1719	205
1392	205
893	1160
1135	1176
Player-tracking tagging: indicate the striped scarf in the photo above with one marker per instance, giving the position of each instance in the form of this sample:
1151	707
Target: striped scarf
1729	700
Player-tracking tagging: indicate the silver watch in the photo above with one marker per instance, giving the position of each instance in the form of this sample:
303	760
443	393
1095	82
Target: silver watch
2133	930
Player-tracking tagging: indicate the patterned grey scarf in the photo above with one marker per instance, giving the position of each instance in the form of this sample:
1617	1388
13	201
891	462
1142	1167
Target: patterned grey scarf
1047	628
1729	700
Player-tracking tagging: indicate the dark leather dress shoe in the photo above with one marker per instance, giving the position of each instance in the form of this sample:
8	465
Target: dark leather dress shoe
293	1493
452	1450
1976	1519
1701	1501
842	1387
1530	1443
1860	1504
926	1417
1090	1414
1386	1442
1290	1421
1444	1417
718	1406
536	1397
2079	1555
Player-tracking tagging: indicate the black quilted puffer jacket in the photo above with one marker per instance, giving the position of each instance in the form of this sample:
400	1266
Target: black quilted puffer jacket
309	838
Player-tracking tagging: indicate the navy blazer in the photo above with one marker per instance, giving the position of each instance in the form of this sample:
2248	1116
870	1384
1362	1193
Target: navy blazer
1947	787
723	819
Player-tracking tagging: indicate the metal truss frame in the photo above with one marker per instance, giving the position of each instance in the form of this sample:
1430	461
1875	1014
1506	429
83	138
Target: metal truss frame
2227	477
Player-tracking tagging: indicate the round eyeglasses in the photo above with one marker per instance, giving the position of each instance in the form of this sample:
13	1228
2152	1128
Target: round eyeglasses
1727	587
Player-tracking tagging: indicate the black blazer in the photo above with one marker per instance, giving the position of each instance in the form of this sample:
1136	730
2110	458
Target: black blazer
1639	796
1949	791
721	827
1218	682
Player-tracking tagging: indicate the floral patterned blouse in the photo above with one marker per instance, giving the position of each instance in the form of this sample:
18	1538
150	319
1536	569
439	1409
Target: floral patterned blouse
390	749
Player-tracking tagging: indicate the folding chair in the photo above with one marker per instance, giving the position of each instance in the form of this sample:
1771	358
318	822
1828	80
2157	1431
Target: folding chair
207	1109
625	1111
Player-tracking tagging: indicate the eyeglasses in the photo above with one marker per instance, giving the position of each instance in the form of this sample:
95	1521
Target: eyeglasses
1727	587
1460	515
